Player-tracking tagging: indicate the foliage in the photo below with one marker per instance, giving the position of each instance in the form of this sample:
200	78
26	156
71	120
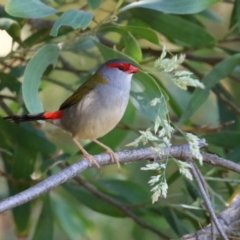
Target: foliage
57	44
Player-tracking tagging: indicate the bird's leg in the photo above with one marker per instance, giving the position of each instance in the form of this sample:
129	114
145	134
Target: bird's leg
85	153
113	156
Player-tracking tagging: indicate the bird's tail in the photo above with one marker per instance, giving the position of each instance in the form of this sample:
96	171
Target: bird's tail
34	117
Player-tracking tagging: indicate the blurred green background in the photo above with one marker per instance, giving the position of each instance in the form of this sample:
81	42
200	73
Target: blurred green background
207	32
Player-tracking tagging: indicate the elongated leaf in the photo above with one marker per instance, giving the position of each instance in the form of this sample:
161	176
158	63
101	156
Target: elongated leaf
109	53
47	55
235	17
226	139
21	217
80	44
73	18
138	32
189	34
69	217
29	9
142	32
121	190
44	228
21	214
234	155
132	47
94	3
92	201
220	71
174	221
172	6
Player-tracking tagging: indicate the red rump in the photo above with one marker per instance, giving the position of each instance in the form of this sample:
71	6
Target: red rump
52	115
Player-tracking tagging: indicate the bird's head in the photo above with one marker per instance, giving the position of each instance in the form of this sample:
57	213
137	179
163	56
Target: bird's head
118	72
122	66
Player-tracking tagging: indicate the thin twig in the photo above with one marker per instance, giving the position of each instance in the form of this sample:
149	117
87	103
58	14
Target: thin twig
5	107
118	205
228	102
67	66
13	180
61	84
198	177
8	97
229	219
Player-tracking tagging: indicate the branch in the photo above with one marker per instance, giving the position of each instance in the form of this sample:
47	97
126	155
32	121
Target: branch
117	204
201	185
229	220
180	152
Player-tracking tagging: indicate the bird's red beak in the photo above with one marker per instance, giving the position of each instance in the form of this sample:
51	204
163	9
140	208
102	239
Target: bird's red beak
133	69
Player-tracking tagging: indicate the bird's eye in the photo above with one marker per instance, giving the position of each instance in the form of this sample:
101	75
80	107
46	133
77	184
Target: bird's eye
121	68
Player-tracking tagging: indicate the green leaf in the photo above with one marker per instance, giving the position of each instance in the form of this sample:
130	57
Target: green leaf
172	6
69	217
235	18
80	44
93	4
11	27
120	189
21	217
225	113
220	71
47	55
7	80
132	47
174	221
32	140
21	214
234	155
238	14
144	90
29	9
109	53
188	35
137	32
142	32
44	228
226	139
91	201
73	18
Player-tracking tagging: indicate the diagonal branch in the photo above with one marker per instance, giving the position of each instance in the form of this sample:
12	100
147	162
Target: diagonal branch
229	220
83	164
200	182
180	152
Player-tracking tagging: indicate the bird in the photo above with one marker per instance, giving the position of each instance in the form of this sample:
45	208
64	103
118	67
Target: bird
94	109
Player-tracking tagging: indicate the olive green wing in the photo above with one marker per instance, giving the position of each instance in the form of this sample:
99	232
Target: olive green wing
83	90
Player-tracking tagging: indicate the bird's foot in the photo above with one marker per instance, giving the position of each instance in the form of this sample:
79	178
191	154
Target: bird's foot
86	154
113	156
92	160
